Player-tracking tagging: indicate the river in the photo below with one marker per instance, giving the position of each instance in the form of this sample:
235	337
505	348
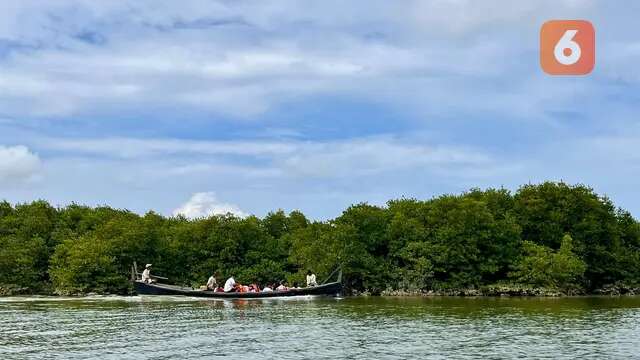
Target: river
330	328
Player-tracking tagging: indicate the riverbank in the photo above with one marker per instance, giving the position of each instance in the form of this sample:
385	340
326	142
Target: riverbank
514	290
520	290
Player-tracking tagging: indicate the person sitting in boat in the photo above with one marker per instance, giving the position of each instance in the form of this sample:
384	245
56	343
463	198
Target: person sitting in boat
295	286
146	274
282	286
254	288
268	288
311	279
230	285
212	283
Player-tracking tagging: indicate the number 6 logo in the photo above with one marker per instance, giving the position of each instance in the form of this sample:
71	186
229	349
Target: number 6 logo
566	43
567	47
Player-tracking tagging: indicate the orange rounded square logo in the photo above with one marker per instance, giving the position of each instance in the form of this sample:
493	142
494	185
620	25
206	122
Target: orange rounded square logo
567	47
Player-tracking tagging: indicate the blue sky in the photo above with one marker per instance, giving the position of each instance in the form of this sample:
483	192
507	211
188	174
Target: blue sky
201	107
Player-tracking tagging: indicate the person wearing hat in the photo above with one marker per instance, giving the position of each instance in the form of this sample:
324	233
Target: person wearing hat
146	274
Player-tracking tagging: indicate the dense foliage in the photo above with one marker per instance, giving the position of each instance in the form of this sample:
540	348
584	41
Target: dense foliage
551	235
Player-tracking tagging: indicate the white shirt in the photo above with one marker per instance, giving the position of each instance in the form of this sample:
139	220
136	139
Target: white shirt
146	275
281	288
311	280
267	289
212	283
228	286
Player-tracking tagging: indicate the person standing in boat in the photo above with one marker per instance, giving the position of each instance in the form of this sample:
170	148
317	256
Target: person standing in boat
146	274
212	283
230	285
311	279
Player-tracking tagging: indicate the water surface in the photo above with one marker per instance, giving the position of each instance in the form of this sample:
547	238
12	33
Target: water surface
356	328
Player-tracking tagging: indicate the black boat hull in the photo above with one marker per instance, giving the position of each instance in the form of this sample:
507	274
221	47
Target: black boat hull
162	289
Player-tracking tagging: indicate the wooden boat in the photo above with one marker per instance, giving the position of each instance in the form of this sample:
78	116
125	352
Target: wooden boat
332	288
142	288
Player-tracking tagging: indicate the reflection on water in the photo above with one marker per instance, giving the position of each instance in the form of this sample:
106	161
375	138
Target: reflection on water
174	327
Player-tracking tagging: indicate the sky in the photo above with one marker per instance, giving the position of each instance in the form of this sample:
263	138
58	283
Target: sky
205	107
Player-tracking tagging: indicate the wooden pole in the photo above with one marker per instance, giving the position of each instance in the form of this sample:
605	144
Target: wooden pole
135	268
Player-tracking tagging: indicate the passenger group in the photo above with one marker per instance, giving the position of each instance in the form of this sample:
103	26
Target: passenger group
232	286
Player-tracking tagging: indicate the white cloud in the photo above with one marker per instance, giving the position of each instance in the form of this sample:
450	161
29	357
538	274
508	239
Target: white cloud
18	164
204	204
137	148
377	155
243	58
325	159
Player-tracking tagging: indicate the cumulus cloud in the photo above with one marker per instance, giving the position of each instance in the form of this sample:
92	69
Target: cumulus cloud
204	204
18	164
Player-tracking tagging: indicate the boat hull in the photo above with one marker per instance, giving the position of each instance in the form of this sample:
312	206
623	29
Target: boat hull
163	289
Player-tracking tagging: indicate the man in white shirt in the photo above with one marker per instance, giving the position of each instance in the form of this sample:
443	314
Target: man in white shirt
267	289
229	285
146	274
311	279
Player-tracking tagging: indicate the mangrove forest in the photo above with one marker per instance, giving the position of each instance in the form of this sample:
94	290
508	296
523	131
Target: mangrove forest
551	236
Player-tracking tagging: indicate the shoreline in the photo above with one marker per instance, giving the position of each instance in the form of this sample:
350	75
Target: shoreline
459	293
506	291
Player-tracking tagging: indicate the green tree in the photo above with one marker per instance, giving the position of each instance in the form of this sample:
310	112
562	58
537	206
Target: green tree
87	264
22	264
542	266
549	210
